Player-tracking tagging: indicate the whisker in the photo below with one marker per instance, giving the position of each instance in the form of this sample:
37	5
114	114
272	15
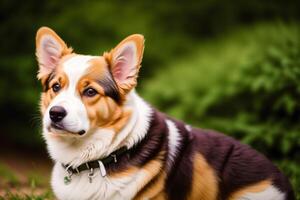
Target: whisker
35	120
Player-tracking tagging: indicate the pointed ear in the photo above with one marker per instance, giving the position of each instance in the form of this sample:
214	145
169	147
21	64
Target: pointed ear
125	61
50	48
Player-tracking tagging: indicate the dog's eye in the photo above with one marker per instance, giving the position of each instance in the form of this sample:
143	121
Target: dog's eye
56	87
90	92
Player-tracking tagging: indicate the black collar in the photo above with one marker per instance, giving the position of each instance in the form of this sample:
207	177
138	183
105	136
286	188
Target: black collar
113	157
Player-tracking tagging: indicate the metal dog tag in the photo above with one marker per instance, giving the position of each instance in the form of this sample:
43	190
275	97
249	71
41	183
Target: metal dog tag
68	179
102	169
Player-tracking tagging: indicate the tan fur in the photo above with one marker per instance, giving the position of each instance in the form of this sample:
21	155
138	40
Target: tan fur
105	112
154	169
102	110
255	188
160	196
155	189
125	173
139	42
98	69
205	183
118	124
60	77
47	31
48	95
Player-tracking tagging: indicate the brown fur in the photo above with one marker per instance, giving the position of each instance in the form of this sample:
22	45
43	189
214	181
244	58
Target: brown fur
155	174
102	111
109	57
195	174
124	173
59	77
47	31
205	183
48	95
155	189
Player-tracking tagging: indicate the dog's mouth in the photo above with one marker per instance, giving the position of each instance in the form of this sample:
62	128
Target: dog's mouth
61	129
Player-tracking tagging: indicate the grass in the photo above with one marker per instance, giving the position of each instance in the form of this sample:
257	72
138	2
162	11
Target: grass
33	187
7	175
11	196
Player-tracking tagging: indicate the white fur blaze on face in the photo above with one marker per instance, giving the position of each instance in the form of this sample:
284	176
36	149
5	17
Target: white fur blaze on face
76	119
96	145
271	193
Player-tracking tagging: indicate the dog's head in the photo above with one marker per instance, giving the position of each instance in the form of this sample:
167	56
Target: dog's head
82	94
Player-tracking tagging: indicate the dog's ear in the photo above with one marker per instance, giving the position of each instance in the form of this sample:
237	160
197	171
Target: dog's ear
50	48
125	61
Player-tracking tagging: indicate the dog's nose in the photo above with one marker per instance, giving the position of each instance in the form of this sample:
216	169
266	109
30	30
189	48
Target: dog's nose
57	113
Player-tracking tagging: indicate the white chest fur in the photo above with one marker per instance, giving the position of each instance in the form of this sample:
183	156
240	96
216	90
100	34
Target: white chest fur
80	188
101	187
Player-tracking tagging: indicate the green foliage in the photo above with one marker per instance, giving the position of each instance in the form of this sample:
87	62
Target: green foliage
198	65
246	84
91	27
291	169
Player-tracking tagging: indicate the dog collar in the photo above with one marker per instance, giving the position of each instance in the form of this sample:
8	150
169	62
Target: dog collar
91	165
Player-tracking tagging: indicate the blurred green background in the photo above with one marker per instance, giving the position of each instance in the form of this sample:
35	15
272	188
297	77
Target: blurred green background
229	65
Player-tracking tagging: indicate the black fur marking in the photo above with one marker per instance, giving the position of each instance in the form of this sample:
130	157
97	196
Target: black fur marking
236	165
282	182
154	142
50	77
110	88
179	181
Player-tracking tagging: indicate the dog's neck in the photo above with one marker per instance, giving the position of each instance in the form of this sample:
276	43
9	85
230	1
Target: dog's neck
103	142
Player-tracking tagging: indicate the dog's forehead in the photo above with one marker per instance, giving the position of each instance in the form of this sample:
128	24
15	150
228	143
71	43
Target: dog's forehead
76	66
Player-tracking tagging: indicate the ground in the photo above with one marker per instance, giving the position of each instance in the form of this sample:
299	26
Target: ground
24	175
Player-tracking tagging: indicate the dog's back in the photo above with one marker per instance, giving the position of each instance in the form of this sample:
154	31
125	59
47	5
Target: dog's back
203	164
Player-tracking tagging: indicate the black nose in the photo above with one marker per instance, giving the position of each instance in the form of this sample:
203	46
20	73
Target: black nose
57	113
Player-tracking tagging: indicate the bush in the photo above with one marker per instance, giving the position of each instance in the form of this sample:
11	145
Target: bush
246	84
94	26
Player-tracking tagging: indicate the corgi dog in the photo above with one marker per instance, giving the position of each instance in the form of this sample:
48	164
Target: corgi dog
108	143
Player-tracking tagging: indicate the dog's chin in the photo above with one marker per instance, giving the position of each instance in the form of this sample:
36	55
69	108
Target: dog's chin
58	130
